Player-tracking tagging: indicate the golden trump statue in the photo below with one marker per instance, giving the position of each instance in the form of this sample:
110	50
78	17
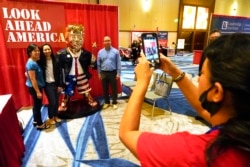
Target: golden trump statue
74	63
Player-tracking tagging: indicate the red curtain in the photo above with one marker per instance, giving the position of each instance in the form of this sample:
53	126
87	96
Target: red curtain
98	21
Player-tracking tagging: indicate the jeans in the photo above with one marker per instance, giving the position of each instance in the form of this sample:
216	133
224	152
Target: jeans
53	98
37	105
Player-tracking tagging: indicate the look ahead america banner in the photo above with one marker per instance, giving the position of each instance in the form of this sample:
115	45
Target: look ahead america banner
25	23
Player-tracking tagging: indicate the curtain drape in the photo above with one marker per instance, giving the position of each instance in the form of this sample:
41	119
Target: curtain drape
98	21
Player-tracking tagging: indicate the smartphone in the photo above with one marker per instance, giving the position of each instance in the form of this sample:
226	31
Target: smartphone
150	48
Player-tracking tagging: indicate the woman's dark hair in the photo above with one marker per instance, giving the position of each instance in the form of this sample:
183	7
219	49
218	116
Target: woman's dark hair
42	61
229	64
30	48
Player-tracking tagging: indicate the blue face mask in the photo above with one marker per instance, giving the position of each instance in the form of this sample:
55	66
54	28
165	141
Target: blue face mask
211	107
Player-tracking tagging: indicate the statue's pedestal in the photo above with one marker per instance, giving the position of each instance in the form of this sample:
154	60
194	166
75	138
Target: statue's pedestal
78	108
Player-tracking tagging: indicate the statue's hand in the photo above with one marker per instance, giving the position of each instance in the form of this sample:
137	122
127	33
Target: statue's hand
93	58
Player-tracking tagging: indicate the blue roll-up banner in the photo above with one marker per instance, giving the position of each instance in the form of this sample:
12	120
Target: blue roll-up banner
163	38
230	24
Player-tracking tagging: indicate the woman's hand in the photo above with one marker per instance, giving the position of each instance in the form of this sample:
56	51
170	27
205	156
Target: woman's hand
117	77
169	67
59	89
143	71
39	95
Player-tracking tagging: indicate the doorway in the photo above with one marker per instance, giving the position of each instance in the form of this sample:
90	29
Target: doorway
194	19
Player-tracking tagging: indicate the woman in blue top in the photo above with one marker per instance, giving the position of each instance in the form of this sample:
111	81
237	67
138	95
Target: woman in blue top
35	83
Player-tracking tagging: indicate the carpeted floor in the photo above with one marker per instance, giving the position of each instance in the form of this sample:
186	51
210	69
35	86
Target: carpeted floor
94	141
176	99
84	141
74	142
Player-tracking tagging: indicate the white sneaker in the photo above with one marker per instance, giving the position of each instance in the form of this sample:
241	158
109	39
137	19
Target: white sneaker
105	106
114	106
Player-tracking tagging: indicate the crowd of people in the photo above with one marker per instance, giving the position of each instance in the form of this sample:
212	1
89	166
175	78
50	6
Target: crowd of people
221	97
66	71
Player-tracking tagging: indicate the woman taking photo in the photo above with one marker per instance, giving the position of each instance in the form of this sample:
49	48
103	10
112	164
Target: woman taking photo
224	92
35	84
51	74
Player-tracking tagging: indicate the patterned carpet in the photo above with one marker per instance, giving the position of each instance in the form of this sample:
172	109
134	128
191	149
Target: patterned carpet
75	141
94	141
177	100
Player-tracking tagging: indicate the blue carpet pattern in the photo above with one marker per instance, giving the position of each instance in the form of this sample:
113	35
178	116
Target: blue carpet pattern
92	128
177	101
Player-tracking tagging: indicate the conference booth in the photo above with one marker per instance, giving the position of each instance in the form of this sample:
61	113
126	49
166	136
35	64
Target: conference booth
40	21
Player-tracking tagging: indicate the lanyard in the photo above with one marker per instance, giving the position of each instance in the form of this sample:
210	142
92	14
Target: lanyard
213	129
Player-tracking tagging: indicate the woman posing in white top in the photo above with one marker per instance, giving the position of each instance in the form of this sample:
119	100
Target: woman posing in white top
49	65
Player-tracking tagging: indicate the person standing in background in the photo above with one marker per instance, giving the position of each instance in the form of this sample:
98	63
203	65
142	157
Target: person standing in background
215	33
135	50
109	71
35	83
51	72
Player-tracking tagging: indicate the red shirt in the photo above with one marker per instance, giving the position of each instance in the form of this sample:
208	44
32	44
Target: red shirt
183	149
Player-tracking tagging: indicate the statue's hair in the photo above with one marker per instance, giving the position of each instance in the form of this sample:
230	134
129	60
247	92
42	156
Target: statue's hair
75	28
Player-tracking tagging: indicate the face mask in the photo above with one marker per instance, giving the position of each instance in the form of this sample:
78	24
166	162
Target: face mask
210	41
211	107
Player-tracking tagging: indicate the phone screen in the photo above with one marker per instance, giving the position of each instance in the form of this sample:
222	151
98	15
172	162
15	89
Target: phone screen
150	48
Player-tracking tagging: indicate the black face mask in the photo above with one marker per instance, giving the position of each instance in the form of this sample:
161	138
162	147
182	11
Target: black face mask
211	107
